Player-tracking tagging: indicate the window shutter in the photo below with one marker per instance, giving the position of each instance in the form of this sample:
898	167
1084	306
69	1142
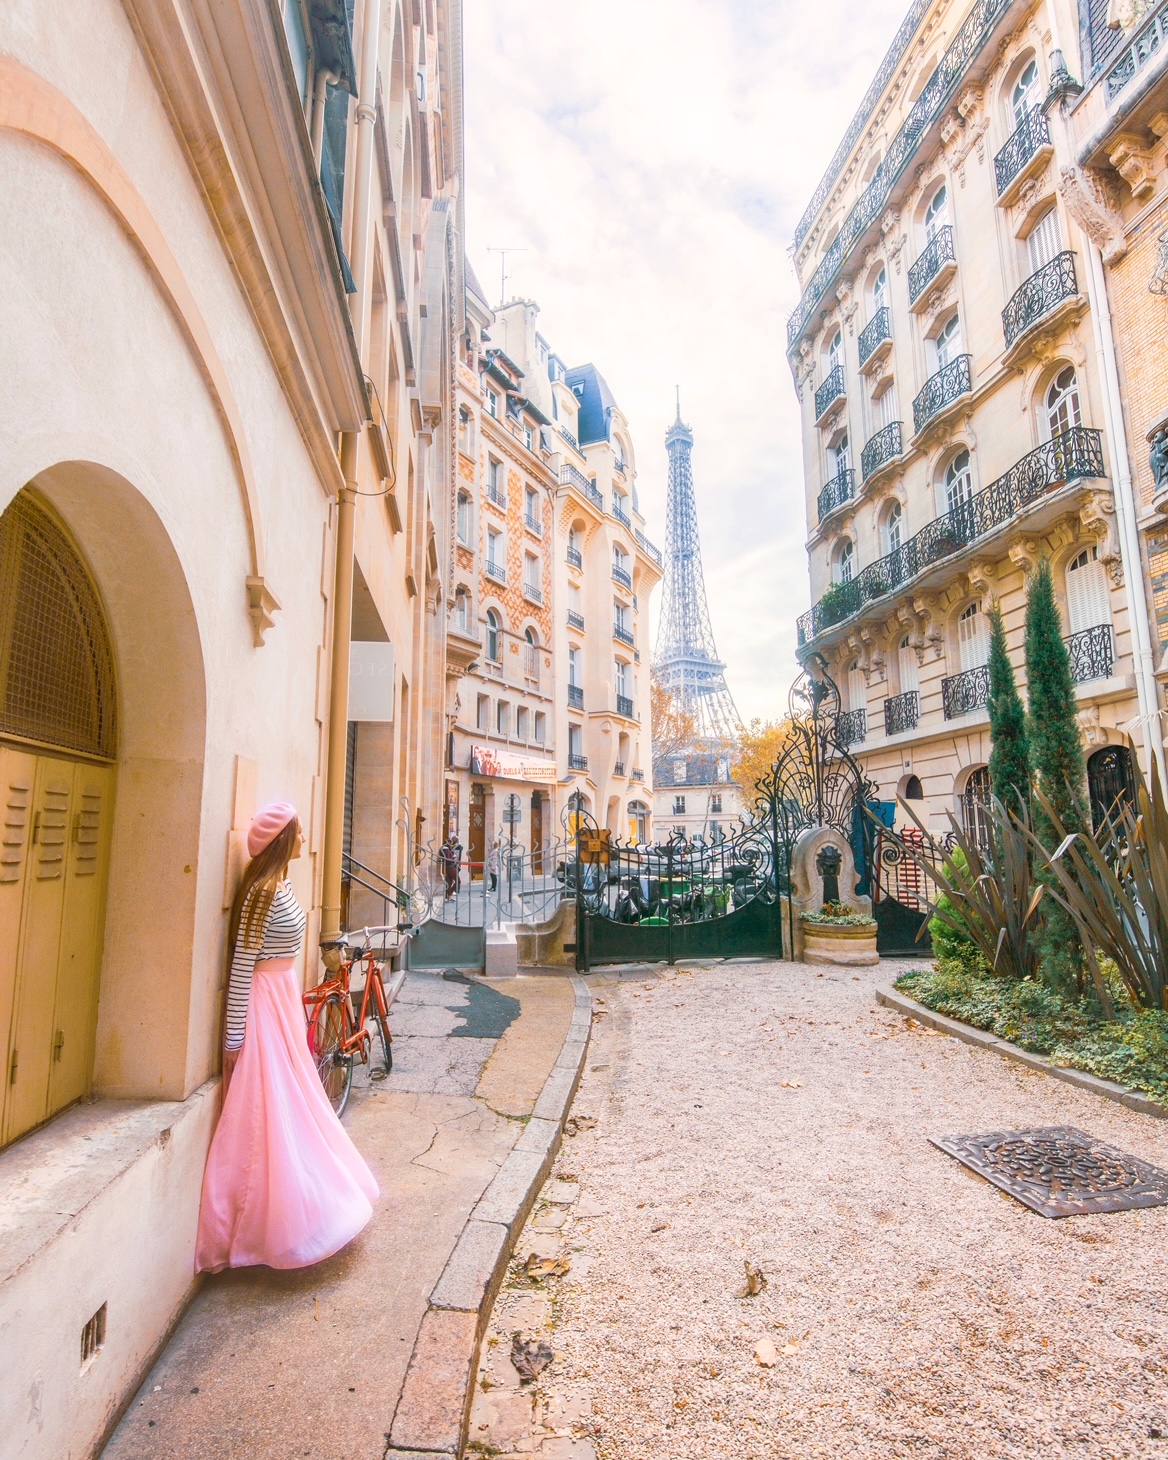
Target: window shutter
1088	597
910	678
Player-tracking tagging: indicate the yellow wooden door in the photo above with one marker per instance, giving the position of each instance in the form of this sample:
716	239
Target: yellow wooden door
17	776
82	929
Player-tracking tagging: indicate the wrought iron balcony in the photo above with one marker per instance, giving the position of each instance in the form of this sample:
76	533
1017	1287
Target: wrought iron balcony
875	333
851	726
1025	142
1072	455
1153	39
575	620
879	450
624	706
569	438
497	495
533	524
620	632
531	591
829	392
1041	293
1092	653
647	547
575	697
902	712
570	477
618	767
841	489
637	775
496	571
949	383
622	517
575	558
937	253
577	762
622	576
964	692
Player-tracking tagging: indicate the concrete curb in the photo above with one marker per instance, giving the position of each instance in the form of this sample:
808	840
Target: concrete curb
889	997
430	1420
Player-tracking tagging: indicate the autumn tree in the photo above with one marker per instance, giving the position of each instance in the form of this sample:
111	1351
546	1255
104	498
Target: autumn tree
758	748
674	727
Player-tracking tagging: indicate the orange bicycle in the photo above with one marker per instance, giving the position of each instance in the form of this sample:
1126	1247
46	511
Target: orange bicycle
339	1016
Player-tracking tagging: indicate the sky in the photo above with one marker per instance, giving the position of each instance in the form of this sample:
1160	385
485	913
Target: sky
651	158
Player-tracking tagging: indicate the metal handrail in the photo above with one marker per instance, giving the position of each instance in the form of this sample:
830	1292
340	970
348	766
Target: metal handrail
939	251
942	388
841	489
965	692
1043	291
901	712
879	450
1026	140
830	391
875	332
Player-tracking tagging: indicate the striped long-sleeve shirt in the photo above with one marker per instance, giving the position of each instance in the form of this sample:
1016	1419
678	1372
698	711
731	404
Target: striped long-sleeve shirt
282	936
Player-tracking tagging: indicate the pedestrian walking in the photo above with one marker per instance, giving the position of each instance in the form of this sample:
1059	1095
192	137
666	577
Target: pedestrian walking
450	857
494	856
284	1185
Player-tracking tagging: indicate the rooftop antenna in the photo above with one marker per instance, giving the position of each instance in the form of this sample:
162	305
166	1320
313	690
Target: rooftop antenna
503	252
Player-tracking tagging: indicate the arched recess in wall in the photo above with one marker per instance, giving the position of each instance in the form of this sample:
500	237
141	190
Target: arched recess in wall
29	105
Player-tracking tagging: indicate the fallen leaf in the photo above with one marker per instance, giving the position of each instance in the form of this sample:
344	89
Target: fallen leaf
577	1123
541	1267
765	1353
755	1280
660	1227
791	1085
529	1357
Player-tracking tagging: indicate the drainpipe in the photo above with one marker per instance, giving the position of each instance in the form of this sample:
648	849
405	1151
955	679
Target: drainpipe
363	168
1147	690
338	727
324	79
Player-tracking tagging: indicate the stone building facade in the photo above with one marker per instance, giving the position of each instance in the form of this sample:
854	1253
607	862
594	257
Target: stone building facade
948	350
231	287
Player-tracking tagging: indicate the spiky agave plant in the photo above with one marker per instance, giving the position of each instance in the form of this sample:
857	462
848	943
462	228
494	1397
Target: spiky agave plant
1114	883
992	898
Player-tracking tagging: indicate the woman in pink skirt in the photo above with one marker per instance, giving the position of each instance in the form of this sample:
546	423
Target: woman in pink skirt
284	1184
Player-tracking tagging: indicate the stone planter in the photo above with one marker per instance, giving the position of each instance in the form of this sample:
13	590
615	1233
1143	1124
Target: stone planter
840	943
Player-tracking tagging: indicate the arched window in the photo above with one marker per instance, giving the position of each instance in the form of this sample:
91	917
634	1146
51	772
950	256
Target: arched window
839	456
880	291
937	213
907	666
975	803
835	351
948	341
1088	596
957	486
1062	402
464	517
893	528
1111	783
845	562
1024	98
973	638
913	790
494	637
1045	240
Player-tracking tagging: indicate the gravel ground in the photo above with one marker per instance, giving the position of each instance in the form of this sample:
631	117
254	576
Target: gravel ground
773	1113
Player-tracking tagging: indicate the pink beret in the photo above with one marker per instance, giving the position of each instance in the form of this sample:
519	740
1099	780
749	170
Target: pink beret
267	825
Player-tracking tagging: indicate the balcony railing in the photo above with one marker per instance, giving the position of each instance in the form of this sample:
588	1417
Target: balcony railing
1041	293
1152	39
829	392
902	712
530	590
624	706
879	450
647	547
570	477
497	495
620	632
939	251
577	762
1072	455
841	489
622	576
950	383
637	775
569	438
575	558
875	332
851	726
618	768
575	697
1092	653
969	690
533	524
496	571
1027	139
622	517
575	620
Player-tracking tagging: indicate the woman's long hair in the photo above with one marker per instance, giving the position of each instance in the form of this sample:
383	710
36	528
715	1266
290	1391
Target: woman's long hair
257	887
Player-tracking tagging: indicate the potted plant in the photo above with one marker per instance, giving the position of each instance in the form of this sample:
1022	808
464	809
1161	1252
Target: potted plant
838	934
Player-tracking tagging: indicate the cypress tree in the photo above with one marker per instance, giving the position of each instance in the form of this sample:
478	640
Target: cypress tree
1010	744
1057	763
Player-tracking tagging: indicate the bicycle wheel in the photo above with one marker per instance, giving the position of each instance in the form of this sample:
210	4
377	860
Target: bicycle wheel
377	1012
333	1064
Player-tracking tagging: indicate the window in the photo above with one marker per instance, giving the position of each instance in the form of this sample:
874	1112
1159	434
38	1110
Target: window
679	805
975	806
574	540
679	769
1045	240
464	430
620	614
958	485
845	562
493	403
620	559
886	407
531	575
528	438
623	679
503	718
937	213
835	351
838	456
494	638
495	487
540	727
948	341
906	663
462	611
483	712
893	528
1062	402
575	742
857	687
463	517
574	667
715	804
531	654
522	717
1024	98
1088	596
973	640
531	506
880	291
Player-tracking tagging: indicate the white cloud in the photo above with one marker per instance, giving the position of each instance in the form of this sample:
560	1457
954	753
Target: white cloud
653	159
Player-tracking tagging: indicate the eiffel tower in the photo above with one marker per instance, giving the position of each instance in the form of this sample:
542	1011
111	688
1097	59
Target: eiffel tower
685	659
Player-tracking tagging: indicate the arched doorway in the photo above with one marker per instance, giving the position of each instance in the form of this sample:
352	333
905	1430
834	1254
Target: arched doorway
975	806
1111	782
58	740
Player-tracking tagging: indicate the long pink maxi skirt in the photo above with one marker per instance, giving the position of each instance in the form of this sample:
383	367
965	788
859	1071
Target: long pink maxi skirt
284	1184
